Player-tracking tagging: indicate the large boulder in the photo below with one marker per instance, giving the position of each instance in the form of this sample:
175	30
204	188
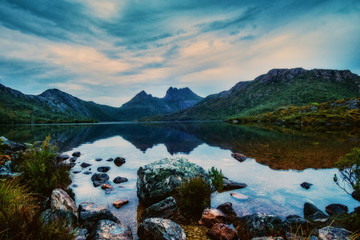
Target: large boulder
60	200
259	225
210	216
167	209
90	213
160	229
330	233
222	231
228	210
313	214
156	181
108	230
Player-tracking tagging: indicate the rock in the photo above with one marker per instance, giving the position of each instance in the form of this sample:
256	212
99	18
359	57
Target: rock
210	216
228	210
60	200
110	160
167	209
99	179
6	171
120	180
356	195
90	214
298	225
106	186
259	225
330	233
306	185
82	234
85	165
239	196
156	181
221	231
55	216
98	159
160	229
61	158
336	209
73	159
72	164
120	202
103	169
314	214
11	145
76	154
108	230
231	185
74	185
87	172
238	156
76	172
119	161
270	238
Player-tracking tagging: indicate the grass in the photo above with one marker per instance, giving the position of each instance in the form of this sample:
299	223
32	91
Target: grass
217	178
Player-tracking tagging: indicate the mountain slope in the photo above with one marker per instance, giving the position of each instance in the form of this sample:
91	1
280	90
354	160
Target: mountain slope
143	104
279	87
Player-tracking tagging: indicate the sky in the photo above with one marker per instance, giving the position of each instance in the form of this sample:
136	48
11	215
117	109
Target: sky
109	50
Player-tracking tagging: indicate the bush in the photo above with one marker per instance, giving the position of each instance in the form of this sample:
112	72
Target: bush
19	216
349	167
194	195
41	171
217	178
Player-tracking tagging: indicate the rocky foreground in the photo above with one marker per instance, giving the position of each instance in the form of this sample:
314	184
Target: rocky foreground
162	216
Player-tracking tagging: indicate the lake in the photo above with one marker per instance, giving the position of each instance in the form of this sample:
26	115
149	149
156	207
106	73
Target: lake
279	160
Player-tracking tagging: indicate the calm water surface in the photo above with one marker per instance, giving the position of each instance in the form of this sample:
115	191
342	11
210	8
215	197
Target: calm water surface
279	161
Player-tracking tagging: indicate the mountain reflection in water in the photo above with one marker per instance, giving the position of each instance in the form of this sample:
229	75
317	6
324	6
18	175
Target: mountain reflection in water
278	149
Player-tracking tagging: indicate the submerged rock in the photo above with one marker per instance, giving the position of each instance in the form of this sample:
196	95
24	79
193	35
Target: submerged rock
90	213
108	230
120	202
221	231
336	209
85	165
231	185
259	225
120	180
103	169
119	161
157	180
306	185
210	216
160	229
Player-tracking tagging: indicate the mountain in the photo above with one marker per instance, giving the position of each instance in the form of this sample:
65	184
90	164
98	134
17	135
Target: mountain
143	104
268	92
54	106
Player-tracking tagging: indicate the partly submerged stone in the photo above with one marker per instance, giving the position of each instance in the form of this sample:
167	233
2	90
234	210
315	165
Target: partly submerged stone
306	185
160	229
231	185
228	210
313	214
120	202
109	230
159	179
336	209
119	161
99	179
120	179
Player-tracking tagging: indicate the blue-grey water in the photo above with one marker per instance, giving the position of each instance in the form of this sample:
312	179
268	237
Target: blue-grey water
279	161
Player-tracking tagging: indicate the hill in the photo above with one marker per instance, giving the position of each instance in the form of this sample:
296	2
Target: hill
340	112
279	87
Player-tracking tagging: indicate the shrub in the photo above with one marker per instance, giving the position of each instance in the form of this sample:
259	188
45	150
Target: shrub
349	167
194	195
217	178
41	171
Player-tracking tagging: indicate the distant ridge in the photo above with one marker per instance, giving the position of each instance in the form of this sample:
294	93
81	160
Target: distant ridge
278	87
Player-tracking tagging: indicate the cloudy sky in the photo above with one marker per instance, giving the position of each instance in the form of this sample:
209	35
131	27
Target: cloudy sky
109	50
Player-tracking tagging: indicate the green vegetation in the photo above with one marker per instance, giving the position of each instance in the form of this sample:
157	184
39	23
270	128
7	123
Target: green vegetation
194	196
217	178
41	171
20	198
340	112
349	167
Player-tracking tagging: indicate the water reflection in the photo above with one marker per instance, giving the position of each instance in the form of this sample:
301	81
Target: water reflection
279	149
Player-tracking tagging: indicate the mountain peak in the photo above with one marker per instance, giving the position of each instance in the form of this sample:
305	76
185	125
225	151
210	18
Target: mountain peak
173	94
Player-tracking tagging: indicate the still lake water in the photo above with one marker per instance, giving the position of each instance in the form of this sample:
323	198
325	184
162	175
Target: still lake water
279	161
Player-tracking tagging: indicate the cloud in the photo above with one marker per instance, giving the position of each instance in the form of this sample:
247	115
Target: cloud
123	47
